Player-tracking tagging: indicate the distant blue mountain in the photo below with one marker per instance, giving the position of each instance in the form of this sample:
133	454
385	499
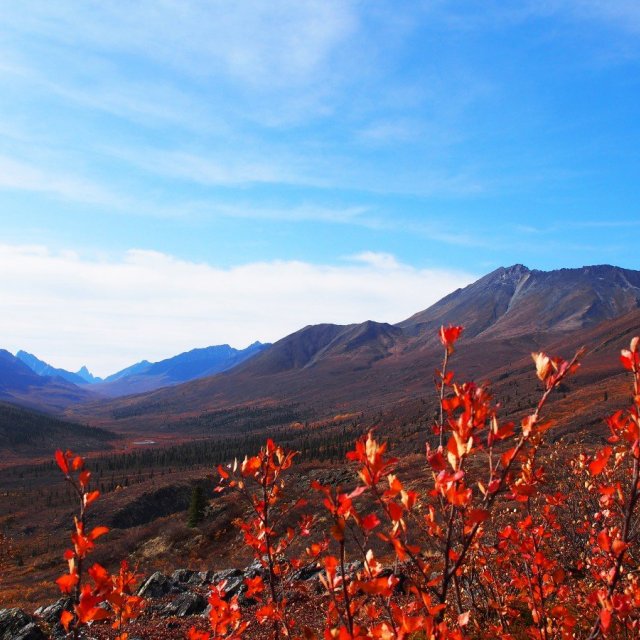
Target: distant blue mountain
84	376
197	363
87	376
134	369
147	376
20	384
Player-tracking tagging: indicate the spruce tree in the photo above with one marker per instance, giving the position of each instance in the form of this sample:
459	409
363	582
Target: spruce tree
196	506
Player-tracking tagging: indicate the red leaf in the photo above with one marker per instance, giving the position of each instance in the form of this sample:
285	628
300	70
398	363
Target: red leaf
627	359
395	511
436	460
83	478
62	462
96	532
604	541
605	619
477	516
370	522
65	619
90	497
448	336
507	456
600	461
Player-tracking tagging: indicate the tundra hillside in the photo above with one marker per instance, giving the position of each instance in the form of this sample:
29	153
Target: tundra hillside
490	543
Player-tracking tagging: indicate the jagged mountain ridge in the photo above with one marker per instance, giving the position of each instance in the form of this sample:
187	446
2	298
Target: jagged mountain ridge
506	314
317	343
517	301
19	384
29	381
191	365
42	368
507	303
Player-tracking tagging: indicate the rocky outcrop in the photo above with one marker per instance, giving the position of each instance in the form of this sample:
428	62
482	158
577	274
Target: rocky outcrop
181	594
15	624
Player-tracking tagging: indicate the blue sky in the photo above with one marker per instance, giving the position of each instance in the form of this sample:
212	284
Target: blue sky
411	145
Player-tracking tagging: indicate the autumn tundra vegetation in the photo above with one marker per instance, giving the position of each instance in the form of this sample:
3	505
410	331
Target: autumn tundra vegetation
491	545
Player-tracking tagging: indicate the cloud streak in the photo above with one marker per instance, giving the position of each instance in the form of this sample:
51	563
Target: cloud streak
108	313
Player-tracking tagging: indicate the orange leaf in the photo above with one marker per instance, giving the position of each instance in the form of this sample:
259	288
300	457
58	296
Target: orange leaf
65	619
90	497
67	582
62	462
84	477
96	532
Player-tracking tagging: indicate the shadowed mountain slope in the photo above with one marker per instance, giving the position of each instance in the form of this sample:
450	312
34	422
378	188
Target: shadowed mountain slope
21	385
27	432
322	342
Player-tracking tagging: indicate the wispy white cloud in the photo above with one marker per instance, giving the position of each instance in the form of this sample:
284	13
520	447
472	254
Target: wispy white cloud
245	165
71	309
267	45
350	215
624	14
222	167
23	176
376	259
611	223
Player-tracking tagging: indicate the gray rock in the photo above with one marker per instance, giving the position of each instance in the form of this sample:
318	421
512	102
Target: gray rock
219	576
310	572
186	604
254	569
182	575
31	632
351	568
156	586
51	613
234	586
201	578
15	624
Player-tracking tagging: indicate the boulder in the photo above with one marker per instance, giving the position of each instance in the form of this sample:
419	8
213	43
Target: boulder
31	632
309	572
186	604
15	623
159	585
201	578
182	575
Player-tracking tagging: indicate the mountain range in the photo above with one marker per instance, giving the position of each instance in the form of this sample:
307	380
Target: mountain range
335	368
19	384
327	368
197	363
42	368
27	380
